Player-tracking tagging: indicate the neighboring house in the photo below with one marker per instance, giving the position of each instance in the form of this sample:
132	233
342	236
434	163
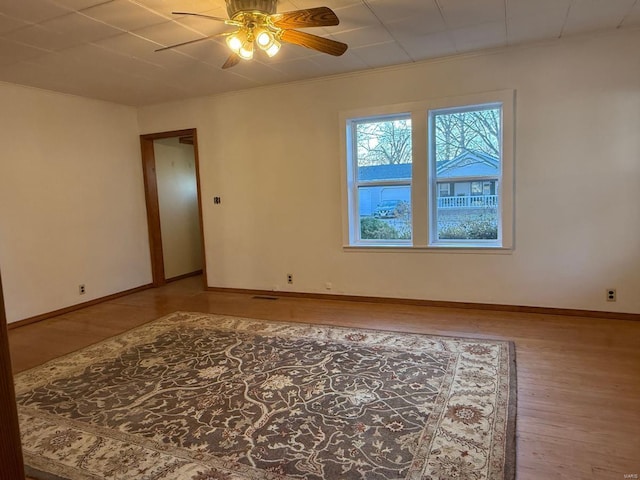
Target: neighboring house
370	197
467	181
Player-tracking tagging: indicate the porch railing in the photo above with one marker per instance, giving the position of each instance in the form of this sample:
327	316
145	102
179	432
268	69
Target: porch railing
468	201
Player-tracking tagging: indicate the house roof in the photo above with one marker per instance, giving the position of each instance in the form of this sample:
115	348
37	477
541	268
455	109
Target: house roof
385	172
469	164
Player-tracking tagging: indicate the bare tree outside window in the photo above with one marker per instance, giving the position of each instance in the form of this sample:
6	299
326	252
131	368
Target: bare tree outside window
477	131
384	143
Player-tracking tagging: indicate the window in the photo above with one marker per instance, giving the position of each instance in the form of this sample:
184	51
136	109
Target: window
381	162
430	175
466	148
476	188
444	189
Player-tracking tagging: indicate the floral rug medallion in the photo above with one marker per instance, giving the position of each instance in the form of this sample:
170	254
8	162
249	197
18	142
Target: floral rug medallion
201	397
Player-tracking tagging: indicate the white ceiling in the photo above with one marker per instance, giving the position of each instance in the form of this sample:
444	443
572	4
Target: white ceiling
106	49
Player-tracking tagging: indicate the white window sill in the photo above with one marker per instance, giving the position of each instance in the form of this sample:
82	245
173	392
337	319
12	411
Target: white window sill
488	250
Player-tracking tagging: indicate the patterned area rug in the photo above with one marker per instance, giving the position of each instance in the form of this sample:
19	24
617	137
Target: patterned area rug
201	397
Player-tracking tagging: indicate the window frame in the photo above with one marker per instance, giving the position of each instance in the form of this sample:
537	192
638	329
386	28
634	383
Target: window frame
423	194
355	183
432	178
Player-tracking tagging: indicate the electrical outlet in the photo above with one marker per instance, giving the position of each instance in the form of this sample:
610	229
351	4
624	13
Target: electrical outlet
81	289
328	286
289	277
611	295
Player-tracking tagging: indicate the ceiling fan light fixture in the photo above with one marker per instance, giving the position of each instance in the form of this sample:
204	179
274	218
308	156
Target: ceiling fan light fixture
264	39
273	49
246	51
267	41
234	42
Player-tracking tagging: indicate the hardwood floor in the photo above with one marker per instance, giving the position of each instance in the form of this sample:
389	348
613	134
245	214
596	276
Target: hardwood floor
578	378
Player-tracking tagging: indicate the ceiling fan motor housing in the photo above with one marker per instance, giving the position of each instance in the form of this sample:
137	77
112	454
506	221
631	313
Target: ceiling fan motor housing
263	6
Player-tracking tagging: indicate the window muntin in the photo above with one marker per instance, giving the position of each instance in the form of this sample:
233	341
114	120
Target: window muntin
381	159
466	151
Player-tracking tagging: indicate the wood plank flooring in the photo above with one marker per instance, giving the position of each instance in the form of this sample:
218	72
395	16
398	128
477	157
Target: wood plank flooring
578	378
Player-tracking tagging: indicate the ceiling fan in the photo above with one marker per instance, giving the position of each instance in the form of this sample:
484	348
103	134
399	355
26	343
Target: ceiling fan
258	25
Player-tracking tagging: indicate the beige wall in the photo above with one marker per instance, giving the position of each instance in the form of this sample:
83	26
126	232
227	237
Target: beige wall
72	205
71	201
273	155
178	200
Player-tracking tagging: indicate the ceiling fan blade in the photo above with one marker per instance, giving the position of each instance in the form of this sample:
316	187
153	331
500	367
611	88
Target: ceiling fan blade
232	61
191	41
310	17
218	19
314	42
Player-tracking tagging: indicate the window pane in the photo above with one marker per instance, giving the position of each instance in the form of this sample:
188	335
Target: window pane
385	212
467	157
383	149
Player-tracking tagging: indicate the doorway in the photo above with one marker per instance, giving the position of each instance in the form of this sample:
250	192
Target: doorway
174	208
